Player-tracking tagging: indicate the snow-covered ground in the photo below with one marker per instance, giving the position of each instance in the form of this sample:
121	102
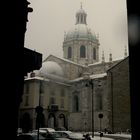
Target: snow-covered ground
102	138
97	137
120	135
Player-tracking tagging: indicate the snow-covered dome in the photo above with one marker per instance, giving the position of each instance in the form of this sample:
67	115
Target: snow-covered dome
50	67
80	31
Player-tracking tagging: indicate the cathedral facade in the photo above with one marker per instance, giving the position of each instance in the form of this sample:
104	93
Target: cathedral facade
75	89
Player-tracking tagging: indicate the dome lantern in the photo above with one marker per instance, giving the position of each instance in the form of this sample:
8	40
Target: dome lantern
81	16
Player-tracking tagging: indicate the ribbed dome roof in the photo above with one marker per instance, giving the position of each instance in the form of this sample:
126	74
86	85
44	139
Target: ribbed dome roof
80	31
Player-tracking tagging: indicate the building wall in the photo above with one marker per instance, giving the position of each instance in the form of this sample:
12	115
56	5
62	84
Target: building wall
81	119
32	89
84	115
119	91
99	68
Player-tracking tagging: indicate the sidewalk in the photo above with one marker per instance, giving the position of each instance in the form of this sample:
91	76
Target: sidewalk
123	135
97	136
102	138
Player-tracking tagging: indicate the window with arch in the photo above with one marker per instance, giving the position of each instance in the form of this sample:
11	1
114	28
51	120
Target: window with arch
78	19
94	53
75	103
69	52
82	51
81	19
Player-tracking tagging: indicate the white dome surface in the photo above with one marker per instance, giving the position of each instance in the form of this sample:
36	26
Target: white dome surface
52	68
80	31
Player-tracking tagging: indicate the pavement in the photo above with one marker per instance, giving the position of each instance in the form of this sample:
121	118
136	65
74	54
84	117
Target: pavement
101	138
122	136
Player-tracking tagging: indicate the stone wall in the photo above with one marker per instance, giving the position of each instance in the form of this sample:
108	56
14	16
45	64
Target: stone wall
119	93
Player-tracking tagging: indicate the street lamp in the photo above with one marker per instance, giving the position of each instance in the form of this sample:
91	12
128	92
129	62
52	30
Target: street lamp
92	105
90	82
39	110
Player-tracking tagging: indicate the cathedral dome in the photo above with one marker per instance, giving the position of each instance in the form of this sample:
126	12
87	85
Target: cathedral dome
80	31
51	68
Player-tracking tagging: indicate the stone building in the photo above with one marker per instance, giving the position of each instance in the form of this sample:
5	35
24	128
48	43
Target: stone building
73	90
119	96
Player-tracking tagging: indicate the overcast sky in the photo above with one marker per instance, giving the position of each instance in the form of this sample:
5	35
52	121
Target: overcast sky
51	18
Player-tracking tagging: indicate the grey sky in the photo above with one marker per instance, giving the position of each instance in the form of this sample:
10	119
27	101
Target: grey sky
51	18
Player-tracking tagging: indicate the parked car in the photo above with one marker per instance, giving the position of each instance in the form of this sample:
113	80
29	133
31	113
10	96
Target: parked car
64	134
44	131
55	136
30	136
71	135
19	130
47	129
41	132
76	136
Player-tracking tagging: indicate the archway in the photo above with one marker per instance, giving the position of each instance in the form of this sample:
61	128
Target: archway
51	120
26	122
61	121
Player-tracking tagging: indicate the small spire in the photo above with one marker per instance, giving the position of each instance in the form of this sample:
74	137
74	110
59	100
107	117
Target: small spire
81	5
64	35
81	16
97	35
103	57
125	52
110	57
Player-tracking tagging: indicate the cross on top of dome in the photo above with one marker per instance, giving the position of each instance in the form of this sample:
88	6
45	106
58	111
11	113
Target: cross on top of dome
81	5
81	16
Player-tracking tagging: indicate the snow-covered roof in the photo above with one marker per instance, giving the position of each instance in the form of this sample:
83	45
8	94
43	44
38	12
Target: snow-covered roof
48	80
36	78
97	63
94	76
63	59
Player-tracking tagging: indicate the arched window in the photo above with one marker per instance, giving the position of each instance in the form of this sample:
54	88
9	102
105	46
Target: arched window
75	103
51	120
69	52
81	19
94	53
61	121
82	51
